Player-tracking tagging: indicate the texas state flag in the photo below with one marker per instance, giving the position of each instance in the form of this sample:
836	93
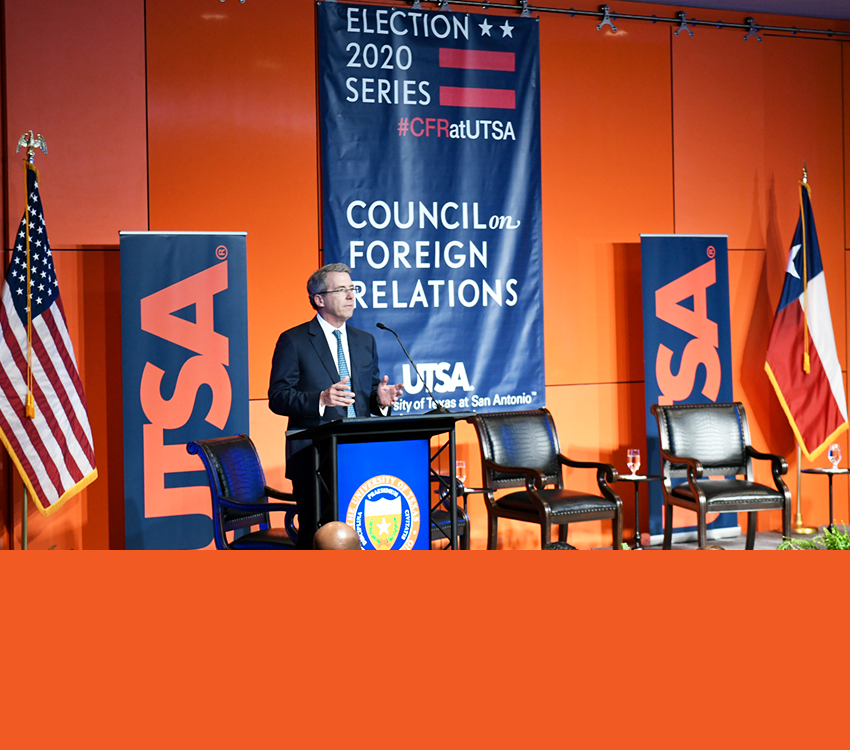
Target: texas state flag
802	362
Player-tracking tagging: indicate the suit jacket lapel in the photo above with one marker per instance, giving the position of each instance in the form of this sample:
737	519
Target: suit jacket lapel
320	345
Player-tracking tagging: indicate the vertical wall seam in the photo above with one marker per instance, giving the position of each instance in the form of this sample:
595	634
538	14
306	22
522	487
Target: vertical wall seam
147	115
672	133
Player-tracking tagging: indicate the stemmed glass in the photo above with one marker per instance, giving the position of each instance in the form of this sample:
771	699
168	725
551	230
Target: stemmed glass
460	471
633	460
834	454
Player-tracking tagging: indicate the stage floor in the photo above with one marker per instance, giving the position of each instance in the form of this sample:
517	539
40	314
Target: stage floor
765	540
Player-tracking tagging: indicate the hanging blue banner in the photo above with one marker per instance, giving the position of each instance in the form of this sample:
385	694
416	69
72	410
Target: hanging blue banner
184	329
687	344
430	137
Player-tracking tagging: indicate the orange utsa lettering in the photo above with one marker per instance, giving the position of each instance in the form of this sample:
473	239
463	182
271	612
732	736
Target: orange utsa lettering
207	367
678	387
161	459
702	349
175	412
197	290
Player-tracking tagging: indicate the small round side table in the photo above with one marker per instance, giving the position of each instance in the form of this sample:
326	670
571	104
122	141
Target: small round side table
830	473
636	480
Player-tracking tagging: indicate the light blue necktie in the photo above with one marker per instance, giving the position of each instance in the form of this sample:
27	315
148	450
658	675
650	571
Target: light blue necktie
343	367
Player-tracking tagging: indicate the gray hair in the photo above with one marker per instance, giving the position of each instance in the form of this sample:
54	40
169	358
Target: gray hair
318	282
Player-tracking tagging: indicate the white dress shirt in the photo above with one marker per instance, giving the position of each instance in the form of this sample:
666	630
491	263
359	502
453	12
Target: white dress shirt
328	330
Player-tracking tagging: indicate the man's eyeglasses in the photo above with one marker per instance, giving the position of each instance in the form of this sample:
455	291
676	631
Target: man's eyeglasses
341	290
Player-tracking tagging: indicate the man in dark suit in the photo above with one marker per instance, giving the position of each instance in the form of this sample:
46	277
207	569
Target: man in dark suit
324	370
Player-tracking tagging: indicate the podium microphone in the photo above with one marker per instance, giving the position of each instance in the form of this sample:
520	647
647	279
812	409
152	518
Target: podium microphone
440	409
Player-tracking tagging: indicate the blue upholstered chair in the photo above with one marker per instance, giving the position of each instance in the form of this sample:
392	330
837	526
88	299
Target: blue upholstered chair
240	496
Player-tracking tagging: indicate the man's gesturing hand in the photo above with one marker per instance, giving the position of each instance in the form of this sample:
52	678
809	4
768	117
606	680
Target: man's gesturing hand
339	394
388	394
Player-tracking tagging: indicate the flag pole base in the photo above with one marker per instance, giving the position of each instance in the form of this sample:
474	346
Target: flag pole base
798	528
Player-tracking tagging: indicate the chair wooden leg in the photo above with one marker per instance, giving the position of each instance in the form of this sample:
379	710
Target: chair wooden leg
618	530
751	529
702	534
786	519
668	525
492	530
545	534
563	530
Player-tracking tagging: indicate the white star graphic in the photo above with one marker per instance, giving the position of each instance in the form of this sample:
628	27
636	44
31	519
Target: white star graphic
384	526
485	28
507	30
792	269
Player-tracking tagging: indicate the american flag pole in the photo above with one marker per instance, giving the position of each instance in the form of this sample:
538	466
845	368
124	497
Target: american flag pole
44	422
32	143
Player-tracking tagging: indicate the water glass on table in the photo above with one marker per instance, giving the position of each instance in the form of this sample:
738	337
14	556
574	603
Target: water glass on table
834	454
633	455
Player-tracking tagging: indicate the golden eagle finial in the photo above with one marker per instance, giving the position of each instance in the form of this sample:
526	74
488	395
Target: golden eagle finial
31	143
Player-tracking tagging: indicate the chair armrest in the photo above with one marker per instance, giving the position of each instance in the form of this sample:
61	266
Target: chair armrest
606	470
693	465
444	481
229	502
278	495
534	478
779	464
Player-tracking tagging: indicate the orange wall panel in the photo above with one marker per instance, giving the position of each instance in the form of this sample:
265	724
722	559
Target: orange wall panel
76	74
607	177
845	60
89	284
233	145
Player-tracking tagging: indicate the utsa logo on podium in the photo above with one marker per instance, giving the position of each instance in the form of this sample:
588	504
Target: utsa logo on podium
389	511
686	337
185	355
385	513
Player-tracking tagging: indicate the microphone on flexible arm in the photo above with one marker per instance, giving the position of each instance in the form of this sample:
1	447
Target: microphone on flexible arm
440	409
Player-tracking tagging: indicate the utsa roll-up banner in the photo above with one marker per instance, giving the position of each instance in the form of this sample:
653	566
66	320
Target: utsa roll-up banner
687	348
430	139
184	321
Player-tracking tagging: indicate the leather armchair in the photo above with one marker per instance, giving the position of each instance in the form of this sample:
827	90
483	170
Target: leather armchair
521	449
702	440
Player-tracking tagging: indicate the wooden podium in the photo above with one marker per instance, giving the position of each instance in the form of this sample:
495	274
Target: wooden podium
375	474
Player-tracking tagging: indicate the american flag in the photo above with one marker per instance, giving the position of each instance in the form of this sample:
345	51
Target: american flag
52	445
